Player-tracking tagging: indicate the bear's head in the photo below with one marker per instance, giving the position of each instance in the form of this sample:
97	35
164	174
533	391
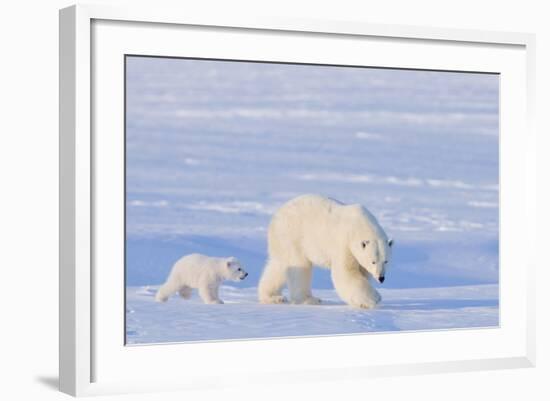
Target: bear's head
368	243
234	270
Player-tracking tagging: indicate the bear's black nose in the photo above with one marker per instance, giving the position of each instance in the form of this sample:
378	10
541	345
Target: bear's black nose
381	278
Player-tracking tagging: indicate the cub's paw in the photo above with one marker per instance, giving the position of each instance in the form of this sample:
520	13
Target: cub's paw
377	298
160	298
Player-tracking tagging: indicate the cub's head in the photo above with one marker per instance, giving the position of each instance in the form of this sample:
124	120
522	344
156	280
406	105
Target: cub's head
234	270
369	244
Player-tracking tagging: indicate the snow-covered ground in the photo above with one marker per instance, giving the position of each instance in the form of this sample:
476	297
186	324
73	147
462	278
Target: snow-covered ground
240	317
213	148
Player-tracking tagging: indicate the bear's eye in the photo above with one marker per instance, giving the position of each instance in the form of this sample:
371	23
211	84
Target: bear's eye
364	243
385	261
239	269
373	263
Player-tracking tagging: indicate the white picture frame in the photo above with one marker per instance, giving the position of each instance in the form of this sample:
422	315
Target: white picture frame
93	359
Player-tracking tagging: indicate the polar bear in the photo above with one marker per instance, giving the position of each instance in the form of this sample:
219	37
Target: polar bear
202	272
314	230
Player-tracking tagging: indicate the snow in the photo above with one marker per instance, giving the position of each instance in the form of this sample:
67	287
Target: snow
214	148
240	317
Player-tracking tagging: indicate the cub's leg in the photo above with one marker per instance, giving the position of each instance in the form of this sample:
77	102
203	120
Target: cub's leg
209	294
299	285
271	283
185	292
166	290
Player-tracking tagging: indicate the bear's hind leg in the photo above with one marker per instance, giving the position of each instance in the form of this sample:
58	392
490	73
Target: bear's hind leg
272	282
299	285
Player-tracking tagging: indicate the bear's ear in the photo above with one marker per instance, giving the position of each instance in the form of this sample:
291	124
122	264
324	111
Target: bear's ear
390	242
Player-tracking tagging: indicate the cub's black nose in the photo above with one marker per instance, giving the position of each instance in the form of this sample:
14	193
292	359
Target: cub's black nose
381	278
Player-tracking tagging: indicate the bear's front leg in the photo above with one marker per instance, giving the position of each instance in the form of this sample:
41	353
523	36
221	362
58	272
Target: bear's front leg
209	294
375	294
354	288
370	280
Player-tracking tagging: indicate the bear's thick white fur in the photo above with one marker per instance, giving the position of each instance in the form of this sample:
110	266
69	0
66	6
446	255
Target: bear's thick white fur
314	230
202	272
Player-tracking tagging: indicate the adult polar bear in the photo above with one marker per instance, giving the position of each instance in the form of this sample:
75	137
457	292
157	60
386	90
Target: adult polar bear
314	230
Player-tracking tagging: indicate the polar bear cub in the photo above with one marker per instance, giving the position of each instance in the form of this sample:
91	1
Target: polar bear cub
201	272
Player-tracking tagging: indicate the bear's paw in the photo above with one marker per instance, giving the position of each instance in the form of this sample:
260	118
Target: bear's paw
312	301
274	299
